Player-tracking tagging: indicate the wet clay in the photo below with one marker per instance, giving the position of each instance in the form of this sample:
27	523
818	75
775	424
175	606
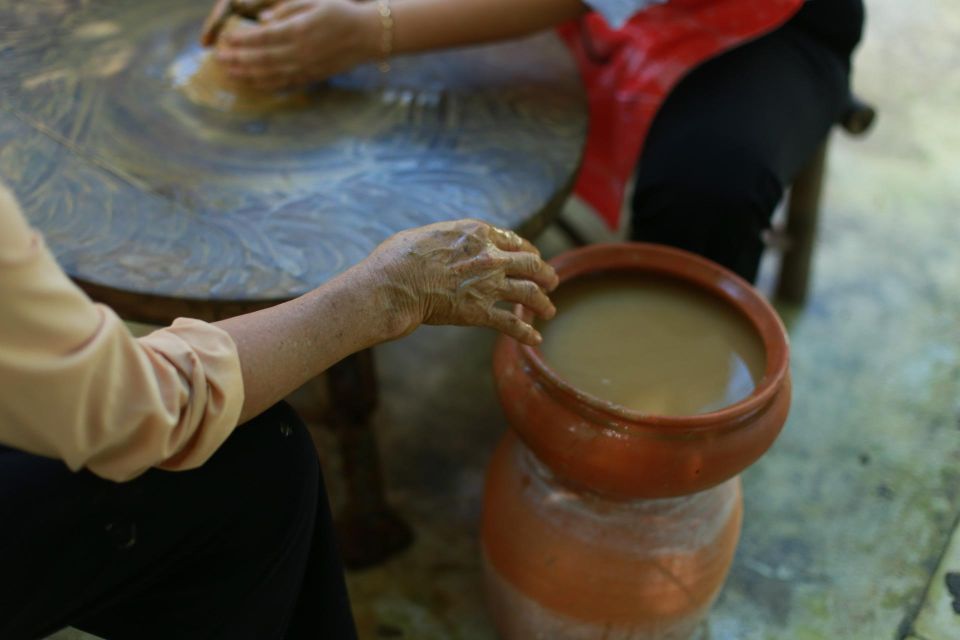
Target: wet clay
204	81
652	344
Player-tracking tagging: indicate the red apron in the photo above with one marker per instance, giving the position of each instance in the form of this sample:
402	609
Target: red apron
628	73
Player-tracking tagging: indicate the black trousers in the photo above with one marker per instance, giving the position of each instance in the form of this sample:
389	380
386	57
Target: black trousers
735	132
242	547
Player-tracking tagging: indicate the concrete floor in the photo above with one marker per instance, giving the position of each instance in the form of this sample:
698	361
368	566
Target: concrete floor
849	517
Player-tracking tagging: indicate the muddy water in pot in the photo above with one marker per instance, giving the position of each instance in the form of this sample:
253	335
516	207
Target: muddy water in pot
652	344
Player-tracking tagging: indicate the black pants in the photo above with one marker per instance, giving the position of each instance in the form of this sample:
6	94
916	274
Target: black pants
242	547
736	131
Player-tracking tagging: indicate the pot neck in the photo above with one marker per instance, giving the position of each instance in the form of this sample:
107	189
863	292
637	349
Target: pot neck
560	489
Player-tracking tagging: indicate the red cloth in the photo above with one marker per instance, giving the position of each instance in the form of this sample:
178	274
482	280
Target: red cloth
628	73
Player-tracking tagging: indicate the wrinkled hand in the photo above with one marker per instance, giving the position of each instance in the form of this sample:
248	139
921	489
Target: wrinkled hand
301	41
456	272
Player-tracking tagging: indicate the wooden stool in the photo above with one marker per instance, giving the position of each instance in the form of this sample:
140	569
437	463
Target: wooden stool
798	234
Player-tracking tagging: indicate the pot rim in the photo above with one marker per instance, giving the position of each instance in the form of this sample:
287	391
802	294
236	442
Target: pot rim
669	262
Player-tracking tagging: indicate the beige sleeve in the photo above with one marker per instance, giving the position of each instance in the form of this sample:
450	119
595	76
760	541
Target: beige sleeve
76	385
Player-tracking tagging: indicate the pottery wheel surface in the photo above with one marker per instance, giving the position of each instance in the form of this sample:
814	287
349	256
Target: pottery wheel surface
138	188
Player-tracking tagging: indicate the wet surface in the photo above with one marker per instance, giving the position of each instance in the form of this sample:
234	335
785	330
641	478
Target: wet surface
141	189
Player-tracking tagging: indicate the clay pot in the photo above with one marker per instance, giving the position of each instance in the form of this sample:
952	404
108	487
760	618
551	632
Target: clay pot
601	522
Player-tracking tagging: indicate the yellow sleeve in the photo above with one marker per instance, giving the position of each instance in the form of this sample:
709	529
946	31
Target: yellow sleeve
76	385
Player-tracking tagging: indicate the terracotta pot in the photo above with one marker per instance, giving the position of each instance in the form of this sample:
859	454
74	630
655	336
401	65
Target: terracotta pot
602	522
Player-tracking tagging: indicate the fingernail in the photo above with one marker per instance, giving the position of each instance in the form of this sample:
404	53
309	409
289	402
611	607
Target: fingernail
537	338
266	16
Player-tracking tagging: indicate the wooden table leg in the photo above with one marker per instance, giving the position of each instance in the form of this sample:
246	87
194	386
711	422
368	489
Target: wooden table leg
368	529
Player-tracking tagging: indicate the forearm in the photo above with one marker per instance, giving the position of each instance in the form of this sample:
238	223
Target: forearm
421	25
283	347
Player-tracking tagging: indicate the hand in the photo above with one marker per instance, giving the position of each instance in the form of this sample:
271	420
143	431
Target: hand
455	272
214	22
223	9
302	41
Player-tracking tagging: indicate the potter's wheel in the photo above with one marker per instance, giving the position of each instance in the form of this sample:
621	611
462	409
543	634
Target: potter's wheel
133	182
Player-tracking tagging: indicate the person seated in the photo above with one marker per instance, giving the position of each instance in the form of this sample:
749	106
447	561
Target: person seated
712	105
158	487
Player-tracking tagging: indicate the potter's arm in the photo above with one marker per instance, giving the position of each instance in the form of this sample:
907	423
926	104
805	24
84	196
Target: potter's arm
422	25
445	273
303	41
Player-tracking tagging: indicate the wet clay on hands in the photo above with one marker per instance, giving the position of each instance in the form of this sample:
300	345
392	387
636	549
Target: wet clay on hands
211	86
456	272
